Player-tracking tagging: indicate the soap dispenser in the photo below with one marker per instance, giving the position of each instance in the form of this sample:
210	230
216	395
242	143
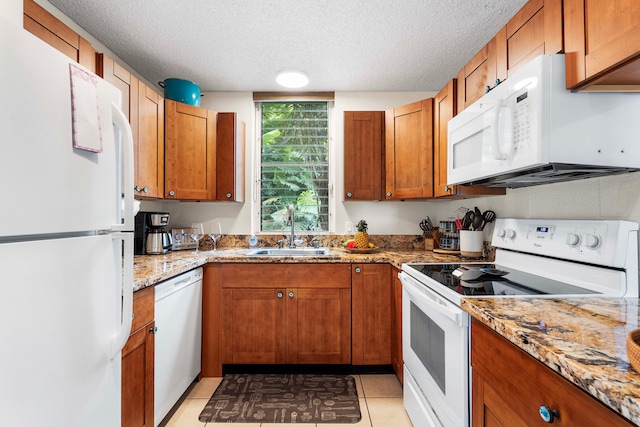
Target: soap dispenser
253	242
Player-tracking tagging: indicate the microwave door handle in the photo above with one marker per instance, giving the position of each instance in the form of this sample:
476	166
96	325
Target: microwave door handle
502	130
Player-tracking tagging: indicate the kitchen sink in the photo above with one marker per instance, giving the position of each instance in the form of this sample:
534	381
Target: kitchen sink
289	252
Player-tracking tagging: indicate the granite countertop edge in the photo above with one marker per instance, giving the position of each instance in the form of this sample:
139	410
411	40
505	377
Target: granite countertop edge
581	339
150	270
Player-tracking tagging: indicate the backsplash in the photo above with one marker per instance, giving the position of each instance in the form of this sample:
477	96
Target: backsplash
386	241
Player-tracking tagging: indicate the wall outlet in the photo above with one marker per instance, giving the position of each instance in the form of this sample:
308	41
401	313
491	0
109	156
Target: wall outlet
348	227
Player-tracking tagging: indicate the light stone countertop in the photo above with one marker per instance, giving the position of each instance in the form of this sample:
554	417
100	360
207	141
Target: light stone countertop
582	339
152	269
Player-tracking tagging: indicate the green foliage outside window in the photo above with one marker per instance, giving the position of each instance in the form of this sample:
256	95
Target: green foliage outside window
294	165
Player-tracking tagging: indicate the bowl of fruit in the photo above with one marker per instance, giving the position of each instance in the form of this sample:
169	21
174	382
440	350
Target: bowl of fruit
360	242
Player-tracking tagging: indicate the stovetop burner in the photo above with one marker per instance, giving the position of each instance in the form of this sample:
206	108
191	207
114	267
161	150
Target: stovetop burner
494	280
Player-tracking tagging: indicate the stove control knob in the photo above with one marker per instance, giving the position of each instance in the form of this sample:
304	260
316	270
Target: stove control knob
501	233
511	234
573	239
592	241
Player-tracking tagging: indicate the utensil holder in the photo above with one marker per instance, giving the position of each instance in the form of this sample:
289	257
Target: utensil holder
471	243
428	243
435	235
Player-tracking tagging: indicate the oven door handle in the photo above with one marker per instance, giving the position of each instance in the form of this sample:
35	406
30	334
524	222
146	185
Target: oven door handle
431	299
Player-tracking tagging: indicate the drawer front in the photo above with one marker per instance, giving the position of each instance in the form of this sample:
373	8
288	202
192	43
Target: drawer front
143	301
526	384
286	275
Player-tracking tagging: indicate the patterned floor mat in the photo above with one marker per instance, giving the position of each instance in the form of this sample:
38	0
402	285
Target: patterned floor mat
283	398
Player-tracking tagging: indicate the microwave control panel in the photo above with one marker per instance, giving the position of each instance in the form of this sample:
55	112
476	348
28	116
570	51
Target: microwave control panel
521	120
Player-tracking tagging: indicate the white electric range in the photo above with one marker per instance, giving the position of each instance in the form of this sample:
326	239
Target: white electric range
534	258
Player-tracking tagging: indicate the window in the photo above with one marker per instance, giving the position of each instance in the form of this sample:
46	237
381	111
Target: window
294	165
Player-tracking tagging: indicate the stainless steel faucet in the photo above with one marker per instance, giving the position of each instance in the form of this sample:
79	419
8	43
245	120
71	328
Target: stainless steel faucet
292	223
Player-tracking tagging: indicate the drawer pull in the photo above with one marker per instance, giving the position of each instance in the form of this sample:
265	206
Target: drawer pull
154	330
547	414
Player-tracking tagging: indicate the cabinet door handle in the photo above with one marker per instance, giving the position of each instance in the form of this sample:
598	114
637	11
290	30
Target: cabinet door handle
144	189
388	193
291	294
349	195
228	195
137	188
279	294
154	330
446	188
172	193
357	269
547	414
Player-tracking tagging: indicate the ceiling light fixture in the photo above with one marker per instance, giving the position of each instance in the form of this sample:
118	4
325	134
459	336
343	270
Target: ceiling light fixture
292	79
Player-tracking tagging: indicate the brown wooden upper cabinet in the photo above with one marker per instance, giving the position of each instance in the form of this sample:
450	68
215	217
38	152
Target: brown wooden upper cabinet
444	108
145	110
230	143
602	45
363	155
121	78
190	152
409	151
50	29
149	149
482	71
535	30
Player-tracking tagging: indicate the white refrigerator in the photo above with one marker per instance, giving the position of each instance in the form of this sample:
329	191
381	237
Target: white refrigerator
66	238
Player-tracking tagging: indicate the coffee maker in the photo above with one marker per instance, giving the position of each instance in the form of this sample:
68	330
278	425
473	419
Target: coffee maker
150	236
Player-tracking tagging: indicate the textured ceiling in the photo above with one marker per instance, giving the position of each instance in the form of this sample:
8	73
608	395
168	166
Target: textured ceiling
343	45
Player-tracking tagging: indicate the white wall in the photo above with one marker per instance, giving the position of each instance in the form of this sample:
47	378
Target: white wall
613	197
12	10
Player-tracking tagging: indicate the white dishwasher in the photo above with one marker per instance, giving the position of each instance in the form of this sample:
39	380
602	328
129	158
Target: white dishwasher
178	340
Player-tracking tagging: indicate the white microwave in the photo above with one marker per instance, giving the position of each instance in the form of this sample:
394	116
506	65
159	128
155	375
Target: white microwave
530	130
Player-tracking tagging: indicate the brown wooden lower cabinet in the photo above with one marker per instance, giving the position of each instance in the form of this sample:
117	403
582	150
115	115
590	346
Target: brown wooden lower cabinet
137	364
510	386
371	314
397	362
285	313
301	314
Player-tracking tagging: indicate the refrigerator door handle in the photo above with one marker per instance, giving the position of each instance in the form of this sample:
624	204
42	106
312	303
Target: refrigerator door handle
125	171
124	287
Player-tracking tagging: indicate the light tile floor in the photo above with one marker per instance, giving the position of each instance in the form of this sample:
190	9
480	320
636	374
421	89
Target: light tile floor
380	405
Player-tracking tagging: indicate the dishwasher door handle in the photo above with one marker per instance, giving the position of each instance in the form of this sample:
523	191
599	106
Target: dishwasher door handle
174	285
